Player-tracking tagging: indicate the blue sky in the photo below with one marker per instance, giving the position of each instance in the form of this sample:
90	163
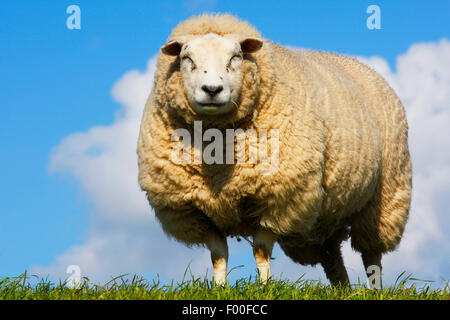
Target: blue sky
56	82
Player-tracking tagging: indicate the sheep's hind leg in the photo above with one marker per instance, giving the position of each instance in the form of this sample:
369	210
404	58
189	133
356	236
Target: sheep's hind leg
333	264
263	242
218	246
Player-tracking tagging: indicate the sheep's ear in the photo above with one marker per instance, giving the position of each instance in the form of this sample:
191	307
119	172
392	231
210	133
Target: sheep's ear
173	47
249	45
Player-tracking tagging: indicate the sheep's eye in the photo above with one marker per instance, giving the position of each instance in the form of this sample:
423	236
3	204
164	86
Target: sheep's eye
189	61
233	59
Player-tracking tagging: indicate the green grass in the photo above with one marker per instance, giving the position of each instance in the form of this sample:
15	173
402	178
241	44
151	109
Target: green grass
196	288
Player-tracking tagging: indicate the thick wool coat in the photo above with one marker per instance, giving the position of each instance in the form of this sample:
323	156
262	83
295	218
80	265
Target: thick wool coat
343	164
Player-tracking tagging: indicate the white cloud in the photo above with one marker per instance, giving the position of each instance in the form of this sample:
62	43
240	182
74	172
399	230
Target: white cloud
125	238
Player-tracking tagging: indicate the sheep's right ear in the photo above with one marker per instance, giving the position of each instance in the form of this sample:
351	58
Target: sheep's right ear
173	47
250	45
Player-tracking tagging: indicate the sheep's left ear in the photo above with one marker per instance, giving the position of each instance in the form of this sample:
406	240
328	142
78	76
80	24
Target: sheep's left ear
250	45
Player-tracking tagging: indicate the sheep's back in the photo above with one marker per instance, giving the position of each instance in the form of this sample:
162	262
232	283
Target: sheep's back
366	141
365	136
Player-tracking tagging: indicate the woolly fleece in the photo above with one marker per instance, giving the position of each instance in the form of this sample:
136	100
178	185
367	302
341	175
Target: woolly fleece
344	165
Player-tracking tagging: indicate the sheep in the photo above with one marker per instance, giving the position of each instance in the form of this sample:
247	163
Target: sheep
343	170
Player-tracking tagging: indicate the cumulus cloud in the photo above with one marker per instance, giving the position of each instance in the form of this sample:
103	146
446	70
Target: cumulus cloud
124	236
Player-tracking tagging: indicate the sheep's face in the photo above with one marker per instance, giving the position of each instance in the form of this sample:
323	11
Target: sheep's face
211	69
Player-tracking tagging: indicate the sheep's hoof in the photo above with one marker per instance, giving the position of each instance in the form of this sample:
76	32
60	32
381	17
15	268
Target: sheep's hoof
220	282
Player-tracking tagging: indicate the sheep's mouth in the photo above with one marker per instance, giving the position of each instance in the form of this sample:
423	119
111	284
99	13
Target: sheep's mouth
212	108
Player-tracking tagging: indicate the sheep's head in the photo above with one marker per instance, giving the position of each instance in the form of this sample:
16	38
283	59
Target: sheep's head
211	69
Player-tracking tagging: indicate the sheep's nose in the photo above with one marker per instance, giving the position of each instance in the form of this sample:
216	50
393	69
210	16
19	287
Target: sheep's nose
212	90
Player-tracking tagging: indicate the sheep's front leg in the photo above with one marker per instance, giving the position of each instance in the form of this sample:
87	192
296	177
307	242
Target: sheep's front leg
219	256
263	242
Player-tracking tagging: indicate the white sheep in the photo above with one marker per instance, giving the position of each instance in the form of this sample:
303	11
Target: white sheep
343	166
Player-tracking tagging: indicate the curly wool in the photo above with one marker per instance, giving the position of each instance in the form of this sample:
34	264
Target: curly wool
344	164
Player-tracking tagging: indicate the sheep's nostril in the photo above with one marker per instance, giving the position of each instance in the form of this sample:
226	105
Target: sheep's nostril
212	90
